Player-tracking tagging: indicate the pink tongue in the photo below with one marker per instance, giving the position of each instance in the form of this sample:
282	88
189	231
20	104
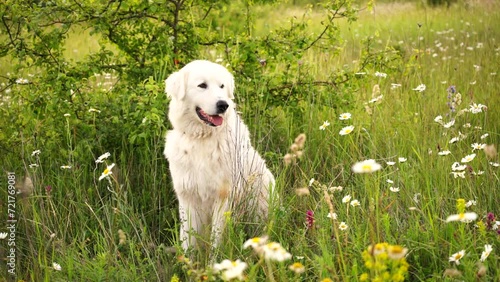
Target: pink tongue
216	120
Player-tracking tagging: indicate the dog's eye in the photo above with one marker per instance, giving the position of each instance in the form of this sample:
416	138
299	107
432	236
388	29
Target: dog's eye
203	85
222	86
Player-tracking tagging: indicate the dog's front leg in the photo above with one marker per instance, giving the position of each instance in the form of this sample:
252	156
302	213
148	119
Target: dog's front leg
221	208
189	222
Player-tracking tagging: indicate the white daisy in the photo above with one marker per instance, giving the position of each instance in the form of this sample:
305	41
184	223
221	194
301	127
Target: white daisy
346	130
56	266
394	189
367	166
343	226
456	166
332	215
457	256
460	174
449	124
468	158
231	269
345	116
420	88
444	153
324	125
107	172
487	251
477	146
439	119
470	203
255	242
463	217
354	203
274	251
102	157
346	199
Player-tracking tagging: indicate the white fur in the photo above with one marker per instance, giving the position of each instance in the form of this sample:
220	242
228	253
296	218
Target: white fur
214	169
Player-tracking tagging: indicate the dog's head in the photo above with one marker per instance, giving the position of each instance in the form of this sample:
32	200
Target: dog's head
201	90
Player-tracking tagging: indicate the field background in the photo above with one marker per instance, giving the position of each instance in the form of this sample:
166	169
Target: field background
126	229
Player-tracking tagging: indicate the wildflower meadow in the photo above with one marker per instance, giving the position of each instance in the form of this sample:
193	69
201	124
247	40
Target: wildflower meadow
380	121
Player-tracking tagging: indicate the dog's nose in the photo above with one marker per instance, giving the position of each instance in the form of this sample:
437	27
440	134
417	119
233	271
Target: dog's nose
221	106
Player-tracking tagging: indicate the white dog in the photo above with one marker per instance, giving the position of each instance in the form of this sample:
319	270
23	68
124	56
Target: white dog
214	167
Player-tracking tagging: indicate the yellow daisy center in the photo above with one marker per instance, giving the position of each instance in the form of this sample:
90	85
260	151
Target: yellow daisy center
396	249
366	167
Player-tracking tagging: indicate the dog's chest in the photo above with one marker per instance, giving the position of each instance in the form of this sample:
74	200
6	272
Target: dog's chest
200	166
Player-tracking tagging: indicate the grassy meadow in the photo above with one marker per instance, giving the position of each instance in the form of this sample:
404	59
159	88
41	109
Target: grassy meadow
426	209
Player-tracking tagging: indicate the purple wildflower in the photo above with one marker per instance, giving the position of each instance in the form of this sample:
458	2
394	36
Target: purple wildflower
309	219
490	220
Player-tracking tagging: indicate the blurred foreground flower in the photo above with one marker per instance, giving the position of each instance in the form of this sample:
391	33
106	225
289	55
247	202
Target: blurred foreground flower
463	217
255	242
275	252
297	267
385	262
367	166
231	269
270	251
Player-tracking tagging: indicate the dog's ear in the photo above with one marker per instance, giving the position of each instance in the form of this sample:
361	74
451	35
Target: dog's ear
230	88
174	86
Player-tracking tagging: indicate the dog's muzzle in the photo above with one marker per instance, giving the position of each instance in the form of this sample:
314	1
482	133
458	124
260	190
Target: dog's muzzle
213	120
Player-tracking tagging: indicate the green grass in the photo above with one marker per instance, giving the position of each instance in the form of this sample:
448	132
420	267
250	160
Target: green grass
76	224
